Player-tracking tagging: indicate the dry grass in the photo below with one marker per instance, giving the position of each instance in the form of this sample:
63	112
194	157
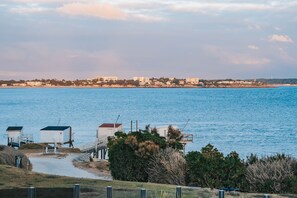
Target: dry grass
11	177
8	154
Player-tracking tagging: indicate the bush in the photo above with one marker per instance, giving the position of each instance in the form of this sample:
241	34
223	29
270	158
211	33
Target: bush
129	154
274	174
167	166
209	168
8	154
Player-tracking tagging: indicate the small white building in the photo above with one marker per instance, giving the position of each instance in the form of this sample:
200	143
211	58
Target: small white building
163	130
108	129
14	134
193	81
142	79
56	134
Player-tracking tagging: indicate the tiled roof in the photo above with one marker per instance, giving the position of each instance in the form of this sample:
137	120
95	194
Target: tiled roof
109	125
14	128
55	128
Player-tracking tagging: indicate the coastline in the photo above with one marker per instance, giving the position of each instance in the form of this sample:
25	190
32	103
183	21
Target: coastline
148	87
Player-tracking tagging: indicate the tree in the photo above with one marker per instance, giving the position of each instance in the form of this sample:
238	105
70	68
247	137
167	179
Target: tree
129	154
209	168
174	137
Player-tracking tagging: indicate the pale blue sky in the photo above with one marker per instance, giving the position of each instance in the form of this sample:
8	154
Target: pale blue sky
174	38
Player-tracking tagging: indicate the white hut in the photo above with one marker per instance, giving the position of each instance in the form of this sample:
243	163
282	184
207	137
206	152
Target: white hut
163	130
108	129
14	134
56	135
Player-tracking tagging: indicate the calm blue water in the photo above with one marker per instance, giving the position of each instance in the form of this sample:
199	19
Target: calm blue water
261	121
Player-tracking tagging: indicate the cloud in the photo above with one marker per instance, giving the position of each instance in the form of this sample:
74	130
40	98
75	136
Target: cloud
237	58
148	18
193	6
253	47
247	60
280	38
100	10
28	10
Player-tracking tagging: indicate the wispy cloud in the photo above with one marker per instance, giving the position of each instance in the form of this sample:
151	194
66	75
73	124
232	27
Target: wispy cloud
280	38
28	10
253	47
194	6
100	10
247	60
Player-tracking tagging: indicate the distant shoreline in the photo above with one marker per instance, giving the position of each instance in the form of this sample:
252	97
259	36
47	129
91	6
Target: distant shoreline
149	87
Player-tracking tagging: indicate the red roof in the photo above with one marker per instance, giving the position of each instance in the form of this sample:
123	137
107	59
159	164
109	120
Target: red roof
108	125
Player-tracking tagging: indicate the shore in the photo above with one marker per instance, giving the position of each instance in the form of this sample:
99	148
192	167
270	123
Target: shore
152	87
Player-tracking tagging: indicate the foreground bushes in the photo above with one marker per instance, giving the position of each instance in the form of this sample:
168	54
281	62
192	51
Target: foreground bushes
130	154
147	157
168	166
276	174
8	154
209	168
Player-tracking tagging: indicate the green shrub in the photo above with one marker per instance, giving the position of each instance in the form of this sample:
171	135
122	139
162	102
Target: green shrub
209	168
129	154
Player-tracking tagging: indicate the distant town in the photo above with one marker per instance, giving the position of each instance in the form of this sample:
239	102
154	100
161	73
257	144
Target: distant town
142	82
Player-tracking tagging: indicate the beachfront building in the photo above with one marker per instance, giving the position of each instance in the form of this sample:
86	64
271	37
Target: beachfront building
192	81
108	129
103	132
163	130
57	135
13	135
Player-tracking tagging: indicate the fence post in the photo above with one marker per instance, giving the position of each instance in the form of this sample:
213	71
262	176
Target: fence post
178	192
143	193
76	191
109	192
221	193
266	196
31	192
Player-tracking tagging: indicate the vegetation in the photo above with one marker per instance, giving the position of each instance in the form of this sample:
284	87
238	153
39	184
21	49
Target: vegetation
275	174
8	155
167	166
279	81
129	154
11	178
209	168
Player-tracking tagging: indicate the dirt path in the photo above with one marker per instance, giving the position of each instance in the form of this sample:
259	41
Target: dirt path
61	166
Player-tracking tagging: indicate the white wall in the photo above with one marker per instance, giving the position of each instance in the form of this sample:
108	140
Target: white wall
14	135
51	136
104	132
163	130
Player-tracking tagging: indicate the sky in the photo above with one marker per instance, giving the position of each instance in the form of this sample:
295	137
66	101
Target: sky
213	39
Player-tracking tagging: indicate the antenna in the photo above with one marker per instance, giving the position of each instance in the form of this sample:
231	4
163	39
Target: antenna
59	122
185	125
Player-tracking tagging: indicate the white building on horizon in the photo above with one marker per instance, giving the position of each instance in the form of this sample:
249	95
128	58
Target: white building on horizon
193	81
107	78
142	79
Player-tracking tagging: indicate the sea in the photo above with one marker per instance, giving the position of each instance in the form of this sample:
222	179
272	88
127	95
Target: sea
261	121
